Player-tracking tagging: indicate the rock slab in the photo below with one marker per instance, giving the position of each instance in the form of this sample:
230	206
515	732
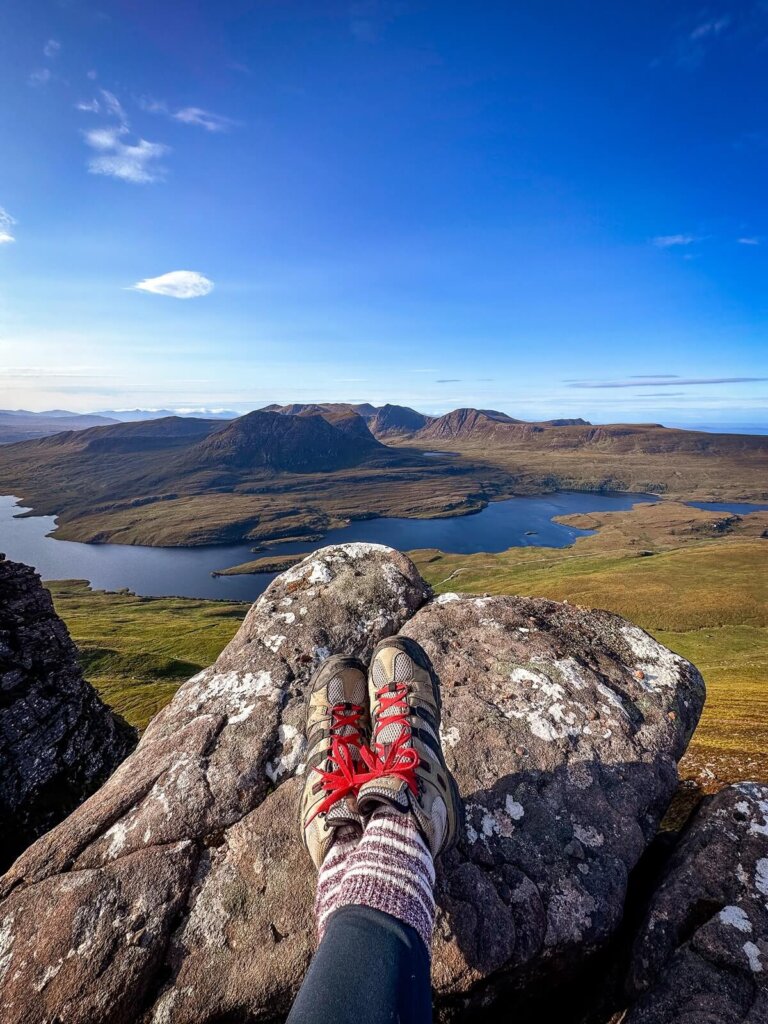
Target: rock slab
701	956
58	741
563	727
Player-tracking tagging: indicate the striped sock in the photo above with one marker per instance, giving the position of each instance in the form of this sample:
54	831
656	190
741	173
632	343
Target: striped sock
331	876
392	870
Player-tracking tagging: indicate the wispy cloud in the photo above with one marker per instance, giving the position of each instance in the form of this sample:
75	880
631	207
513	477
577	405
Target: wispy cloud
178	284
6	227
190	115
52	48
668	241
136	161
40	76
749	241
133	162
653	376
674	382
203	118
711	28
449	380
113	106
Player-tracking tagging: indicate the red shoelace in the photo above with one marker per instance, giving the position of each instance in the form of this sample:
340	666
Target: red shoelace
381	759
393	758
342	780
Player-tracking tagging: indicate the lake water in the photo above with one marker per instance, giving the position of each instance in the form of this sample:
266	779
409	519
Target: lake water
734	507
158	572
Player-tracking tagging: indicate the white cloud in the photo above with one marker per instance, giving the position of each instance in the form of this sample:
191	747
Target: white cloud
89	106
749	241
6	225
178	284
133	162
203	118
113	106
40	77
189	115
667	241
52	48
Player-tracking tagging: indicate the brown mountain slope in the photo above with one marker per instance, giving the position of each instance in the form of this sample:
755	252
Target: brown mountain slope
289	444
383	422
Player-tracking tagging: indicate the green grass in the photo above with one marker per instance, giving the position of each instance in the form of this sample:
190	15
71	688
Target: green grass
138	650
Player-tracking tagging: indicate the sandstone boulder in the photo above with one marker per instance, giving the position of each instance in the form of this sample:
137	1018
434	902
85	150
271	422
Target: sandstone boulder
701	956
183	893
58	742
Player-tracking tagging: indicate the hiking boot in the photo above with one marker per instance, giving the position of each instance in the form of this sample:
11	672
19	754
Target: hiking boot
337	727
407	767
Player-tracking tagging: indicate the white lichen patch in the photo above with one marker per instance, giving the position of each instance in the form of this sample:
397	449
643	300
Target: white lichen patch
760	828
293	745
753	956
449	737
7	939
656	666
588	835
357	549
235	692
489	825
320	573
761	875
570	672
447	598
274	642
513	808
736	917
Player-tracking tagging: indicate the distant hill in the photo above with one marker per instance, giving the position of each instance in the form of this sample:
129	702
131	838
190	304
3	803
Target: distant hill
383	421
22	425
475	427
305	443
135	415
393	420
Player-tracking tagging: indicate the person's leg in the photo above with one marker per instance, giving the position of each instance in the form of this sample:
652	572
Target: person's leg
369	967
375	910
375	904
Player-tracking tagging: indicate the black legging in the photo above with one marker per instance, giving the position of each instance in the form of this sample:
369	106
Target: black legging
369	968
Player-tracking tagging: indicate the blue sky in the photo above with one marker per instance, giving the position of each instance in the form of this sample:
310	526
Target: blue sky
544	207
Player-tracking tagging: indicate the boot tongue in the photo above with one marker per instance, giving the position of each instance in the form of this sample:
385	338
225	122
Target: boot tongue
343	812
386	790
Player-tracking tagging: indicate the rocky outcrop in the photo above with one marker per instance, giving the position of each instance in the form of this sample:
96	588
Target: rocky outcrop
58	742
180	892
701	956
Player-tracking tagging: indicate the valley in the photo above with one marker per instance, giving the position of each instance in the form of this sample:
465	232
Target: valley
286	472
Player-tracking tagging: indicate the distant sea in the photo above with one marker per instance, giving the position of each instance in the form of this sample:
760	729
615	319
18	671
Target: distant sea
722	428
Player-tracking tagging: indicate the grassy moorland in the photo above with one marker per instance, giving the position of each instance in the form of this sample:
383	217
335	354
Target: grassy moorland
138	650
697	580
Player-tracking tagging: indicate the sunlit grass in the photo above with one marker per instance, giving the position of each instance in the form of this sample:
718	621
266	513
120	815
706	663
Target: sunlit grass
137	650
